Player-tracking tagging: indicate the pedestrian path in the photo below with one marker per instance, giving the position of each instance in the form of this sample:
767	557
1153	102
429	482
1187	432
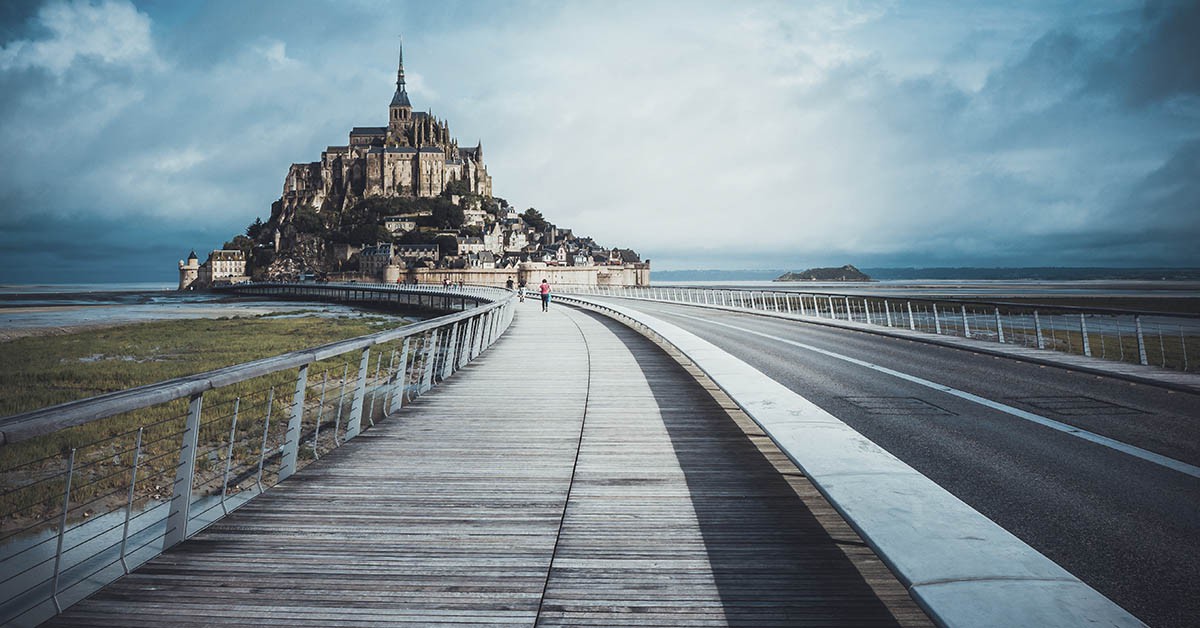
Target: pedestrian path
575	474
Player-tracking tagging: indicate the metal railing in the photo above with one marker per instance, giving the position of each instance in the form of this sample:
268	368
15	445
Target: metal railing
1160	339
91	489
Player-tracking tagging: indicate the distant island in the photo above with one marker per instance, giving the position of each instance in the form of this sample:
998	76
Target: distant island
845	273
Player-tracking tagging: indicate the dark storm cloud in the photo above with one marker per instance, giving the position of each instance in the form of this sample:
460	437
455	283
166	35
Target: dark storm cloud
93	249
1158	59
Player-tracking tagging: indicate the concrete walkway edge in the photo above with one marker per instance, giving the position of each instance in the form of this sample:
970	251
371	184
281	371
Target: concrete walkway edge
960	566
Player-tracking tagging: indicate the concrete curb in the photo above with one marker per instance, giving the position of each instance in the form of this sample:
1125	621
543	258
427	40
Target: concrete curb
960	566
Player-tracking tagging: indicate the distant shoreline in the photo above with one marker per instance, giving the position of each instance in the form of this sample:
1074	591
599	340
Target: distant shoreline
1032	273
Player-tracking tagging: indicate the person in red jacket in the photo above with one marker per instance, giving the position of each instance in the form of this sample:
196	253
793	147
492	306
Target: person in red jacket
545	289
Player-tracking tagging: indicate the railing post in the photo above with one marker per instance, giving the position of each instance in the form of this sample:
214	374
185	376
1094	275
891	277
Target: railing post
999	327
185	471
448	361
1137	322
137	458
775	300
237	402
484	320
262	453
493	318
848	316
427	367
912	322
966	325
291	439
401	379
62	530
887	313
337	422
867	310
464	349
320	416
800	301
354	421
477	336
1037	330
937	322
1087	346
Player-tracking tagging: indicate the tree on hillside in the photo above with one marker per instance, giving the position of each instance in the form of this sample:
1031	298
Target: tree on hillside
534	219
447	216
255	229
240	243
457	186
368	234
306	220
447	245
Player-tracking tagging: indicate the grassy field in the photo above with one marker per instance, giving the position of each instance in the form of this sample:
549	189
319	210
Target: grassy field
36	372
40	371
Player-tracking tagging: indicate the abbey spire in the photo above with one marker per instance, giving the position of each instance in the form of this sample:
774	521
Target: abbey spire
400	111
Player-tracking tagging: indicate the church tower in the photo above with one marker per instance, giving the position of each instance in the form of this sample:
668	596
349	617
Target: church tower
400	111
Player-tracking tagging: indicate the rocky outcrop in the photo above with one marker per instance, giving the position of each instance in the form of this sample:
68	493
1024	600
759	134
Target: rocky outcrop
845	273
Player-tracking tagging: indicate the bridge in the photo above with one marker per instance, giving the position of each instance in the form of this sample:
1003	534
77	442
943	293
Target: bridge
631	458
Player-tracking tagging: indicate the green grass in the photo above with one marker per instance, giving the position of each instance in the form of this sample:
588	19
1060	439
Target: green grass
41	371
36	372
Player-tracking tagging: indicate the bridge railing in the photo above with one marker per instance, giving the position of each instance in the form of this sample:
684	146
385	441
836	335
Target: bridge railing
1167	340
91	489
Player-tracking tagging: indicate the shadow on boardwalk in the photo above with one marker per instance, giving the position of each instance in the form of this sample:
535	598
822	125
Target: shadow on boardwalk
779	553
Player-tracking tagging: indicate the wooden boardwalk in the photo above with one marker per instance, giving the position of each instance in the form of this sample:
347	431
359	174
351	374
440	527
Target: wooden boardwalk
573	475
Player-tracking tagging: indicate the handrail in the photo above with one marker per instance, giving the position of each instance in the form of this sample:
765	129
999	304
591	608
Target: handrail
960	566
19	427
1167	340
956	301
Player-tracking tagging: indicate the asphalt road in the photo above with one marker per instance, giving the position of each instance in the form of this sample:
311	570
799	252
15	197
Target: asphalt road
1128	527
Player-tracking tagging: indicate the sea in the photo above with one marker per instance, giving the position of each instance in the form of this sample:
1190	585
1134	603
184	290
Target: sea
32	309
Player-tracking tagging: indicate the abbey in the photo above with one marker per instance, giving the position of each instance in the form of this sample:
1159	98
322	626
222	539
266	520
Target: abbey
414	156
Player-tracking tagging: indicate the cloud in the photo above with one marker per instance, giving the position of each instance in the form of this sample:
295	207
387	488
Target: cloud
1157	60
113	33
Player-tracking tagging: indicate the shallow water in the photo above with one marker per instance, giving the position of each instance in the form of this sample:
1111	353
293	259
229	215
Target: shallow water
26	309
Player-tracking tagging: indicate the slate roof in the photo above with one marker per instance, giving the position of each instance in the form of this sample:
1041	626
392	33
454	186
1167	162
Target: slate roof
369	130
400	99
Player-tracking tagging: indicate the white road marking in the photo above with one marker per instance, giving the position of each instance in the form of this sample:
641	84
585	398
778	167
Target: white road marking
1117	445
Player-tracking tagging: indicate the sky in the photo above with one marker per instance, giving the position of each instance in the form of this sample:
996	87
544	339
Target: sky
722	135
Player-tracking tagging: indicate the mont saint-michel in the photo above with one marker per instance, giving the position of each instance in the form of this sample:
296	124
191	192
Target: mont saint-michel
406	203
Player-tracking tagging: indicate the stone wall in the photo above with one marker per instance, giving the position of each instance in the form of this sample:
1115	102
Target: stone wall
534	272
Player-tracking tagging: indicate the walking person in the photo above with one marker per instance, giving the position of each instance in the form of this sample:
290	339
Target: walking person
521	291
545	290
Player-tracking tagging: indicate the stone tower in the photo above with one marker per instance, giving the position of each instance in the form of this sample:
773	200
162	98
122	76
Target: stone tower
189	272
400	111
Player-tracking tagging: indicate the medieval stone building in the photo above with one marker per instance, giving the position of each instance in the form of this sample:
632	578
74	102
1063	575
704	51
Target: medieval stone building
414	156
